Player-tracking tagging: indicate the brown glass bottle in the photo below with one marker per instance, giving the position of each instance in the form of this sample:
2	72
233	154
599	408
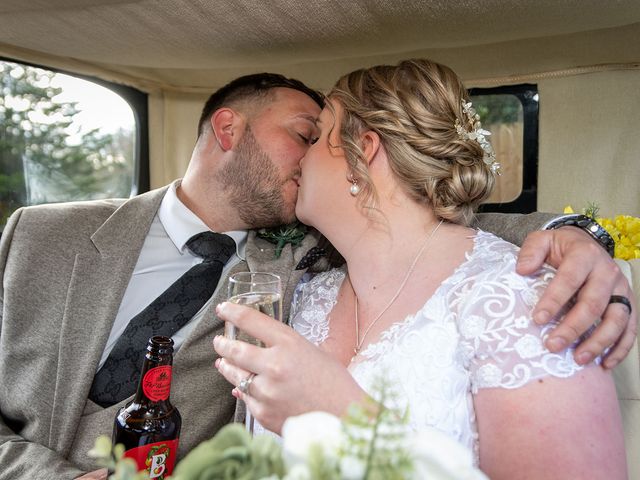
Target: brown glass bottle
149	426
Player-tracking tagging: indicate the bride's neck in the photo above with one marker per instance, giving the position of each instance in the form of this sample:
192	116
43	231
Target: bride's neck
380	250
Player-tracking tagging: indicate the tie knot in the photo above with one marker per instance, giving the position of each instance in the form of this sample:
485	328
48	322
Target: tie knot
212	246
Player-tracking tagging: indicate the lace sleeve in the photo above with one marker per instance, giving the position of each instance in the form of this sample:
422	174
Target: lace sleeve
504	346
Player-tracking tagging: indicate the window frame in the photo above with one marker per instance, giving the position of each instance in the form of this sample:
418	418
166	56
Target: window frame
138	101
527	93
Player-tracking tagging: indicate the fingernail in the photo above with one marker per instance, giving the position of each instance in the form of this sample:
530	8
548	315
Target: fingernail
584	358
235	393
217	363
556	343
541	317
610	363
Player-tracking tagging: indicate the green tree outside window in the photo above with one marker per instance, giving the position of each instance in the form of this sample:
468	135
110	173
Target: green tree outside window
41	161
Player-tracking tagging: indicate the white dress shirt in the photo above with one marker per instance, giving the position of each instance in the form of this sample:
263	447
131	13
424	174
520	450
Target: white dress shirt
163	259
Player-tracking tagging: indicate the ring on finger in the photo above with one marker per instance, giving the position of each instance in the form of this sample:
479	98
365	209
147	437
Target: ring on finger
245	383
621	299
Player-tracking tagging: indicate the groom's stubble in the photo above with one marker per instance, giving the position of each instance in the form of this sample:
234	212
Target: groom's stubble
253	185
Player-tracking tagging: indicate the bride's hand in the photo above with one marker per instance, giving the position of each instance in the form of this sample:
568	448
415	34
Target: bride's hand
292	377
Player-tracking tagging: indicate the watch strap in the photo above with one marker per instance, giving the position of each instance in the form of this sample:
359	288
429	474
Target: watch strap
589	225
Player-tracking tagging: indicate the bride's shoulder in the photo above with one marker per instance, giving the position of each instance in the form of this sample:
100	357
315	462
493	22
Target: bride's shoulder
493	246
492	253
494	260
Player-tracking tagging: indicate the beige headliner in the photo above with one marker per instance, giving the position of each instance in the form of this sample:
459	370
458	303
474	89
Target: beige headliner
192	44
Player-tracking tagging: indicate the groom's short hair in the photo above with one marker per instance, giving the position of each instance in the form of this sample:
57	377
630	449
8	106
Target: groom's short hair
253	87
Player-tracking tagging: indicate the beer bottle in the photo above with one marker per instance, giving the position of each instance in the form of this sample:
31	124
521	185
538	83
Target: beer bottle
149	426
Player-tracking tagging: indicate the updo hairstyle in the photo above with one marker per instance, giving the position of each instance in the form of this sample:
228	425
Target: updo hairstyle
413	107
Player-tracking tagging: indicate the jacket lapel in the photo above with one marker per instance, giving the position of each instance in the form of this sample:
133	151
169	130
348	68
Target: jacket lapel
100	277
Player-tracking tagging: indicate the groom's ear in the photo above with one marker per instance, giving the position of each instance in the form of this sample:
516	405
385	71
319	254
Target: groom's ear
370	141
228	126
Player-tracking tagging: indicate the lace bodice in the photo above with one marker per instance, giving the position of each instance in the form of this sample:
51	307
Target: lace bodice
474	332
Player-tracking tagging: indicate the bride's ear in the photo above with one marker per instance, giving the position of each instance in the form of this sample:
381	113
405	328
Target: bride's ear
370	145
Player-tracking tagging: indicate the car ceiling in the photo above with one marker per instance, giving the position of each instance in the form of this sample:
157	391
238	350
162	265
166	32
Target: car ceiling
185	41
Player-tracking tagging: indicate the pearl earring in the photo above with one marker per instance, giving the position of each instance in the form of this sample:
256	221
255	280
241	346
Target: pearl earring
355	188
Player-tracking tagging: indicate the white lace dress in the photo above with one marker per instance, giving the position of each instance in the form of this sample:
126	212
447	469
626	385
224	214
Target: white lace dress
474	332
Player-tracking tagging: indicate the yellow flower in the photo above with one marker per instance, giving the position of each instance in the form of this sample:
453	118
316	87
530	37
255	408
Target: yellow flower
625	231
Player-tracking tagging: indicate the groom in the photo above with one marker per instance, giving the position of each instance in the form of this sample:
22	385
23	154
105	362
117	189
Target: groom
74	275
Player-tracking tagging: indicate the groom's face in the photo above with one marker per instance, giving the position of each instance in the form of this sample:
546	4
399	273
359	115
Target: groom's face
269	153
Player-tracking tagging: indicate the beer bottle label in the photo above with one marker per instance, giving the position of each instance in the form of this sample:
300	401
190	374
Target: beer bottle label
157	459
156	383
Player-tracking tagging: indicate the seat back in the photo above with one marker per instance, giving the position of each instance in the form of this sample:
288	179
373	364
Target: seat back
627	379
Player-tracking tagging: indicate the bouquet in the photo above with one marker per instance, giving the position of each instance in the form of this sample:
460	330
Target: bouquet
371	443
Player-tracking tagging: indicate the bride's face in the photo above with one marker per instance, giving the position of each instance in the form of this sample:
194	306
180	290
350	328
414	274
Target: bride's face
324	195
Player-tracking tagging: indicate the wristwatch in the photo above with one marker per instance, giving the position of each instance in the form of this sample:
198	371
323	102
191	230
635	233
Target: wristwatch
589	225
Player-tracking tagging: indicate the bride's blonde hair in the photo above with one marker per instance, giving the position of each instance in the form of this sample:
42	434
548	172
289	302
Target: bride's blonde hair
413	107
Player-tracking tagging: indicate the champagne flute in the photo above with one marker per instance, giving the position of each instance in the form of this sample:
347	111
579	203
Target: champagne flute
261	291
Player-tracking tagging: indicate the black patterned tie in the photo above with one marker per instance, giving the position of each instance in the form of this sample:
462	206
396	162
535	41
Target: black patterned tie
118	377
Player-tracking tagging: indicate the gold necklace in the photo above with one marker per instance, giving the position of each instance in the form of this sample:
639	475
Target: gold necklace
360	341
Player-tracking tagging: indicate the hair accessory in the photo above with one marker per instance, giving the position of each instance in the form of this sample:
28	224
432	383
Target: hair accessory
477	134
355	188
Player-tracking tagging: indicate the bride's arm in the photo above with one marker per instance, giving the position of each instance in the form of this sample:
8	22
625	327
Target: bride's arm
552	428
539	414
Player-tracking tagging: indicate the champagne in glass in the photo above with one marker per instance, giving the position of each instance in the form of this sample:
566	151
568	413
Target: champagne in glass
261	291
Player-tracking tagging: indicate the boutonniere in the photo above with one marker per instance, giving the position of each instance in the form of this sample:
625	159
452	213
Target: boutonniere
293	233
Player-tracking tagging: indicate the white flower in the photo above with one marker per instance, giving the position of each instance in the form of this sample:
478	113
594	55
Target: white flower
300	471
472	326
437	456
351	468
529	346
313	428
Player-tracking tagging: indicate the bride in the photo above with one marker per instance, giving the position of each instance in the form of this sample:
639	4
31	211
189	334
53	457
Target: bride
400	164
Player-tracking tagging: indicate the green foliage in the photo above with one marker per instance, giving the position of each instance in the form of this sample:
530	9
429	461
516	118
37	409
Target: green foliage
111	458
38	161
497	109
293	233
376	436
232	454
592	211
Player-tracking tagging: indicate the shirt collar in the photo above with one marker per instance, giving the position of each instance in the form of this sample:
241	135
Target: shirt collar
181	224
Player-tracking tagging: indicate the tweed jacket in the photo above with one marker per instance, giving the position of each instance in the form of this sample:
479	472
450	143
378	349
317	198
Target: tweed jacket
64	271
